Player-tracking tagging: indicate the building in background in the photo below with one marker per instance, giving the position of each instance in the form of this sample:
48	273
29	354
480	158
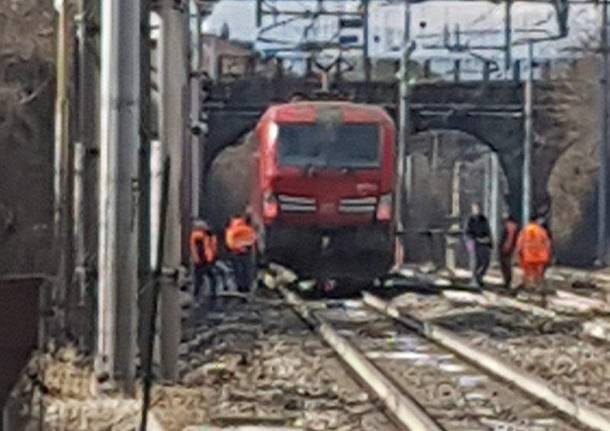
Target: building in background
232	56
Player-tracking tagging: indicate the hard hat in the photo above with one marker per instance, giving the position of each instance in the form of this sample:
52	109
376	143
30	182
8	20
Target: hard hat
200	224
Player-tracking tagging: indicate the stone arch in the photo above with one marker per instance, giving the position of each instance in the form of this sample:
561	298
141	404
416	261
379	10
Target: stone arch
438	155
501	134
226	180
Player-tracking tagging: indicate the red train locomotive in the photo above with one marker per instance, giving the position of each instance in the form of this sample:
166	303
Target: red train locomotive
323	187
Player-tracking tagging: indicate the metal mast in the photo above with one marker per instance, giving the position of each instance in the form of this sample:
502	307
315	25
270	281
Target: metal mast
508	30
365	41
85	172
529	135
403	131
603	145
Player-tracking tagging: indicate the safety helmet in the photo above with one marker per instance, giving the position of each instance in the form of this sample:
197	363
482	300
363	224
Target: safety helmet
201	224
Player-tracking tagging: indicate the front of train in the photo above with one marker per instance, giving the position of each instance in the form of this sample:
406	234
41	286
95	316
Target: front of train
324	186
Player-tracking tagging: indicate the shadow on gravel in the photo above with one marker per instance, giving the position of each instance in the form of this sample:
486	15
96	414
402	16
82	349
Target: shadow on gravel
503	324
387	288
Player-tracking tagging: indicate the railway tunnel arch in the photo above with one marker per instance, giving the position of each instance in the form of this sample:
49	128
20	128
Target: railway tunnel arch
226	183
499	128
444	161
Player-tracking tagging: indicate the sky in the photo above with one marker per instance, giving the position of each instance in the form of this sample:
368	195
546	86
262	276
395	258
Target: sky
472	15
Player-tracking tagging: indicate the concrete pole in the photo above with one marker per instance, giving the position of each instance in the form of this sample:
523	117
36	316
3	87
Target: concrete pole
61	114
408	180
156	180
173	67
508	30
145	298
603	146
119	194
80	223
455	214
156	214
455	189
145	135
529	135
435	152
196	147
494	208
403	131
365	41
487	186
85	165
62	232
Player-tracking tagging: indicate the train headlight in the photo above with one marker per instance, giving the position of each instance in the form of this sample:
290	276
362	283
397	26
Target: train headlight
271	207
384	208
273	131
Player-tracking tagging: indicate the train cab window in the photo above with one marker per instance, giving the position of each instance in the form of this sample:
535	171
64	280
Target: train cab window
337	146
300	145
355	146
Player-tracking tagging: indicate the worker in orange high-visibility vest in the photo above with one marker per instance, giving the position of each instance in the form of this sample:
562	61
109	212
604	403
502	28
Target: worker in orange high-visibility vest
240	239
534	252
204	248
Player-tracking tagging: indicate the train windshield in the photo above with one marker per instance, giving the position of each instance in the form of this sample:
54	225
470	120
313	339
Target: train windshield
329	145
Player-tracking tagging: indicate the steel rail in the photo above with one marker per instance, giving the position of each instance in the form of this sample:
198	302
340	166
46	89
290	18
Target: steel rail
406	411
532	385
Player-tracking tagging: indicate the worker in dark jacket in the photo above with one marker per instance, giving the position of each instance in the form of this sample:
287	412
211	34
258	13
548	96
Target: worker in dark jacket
477	230
240	238
204	248
508	242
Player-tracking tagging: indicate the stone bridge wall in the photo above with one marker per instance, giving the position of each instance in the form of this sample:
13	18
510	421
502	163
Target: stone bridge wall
565	120
26	134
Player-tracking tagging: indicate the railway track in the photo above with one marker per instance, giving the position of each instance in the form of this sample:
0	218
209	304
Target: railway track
260	365
557	345
432	381
401	367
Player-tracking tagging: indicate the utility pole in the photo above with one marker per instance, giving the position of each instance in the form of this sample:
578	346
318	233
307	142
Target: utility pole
487	187
491	192
603	145
403	132
61	115
196	149
529	135
61	165
173	68
146	135
85	172
365	41
450	262
508	30
494	209
434	158
119	194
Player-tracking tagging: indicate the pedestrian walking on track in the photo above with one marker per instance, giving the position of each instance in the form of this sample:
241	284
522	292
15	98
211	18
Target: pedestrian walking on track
478	231
507	245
